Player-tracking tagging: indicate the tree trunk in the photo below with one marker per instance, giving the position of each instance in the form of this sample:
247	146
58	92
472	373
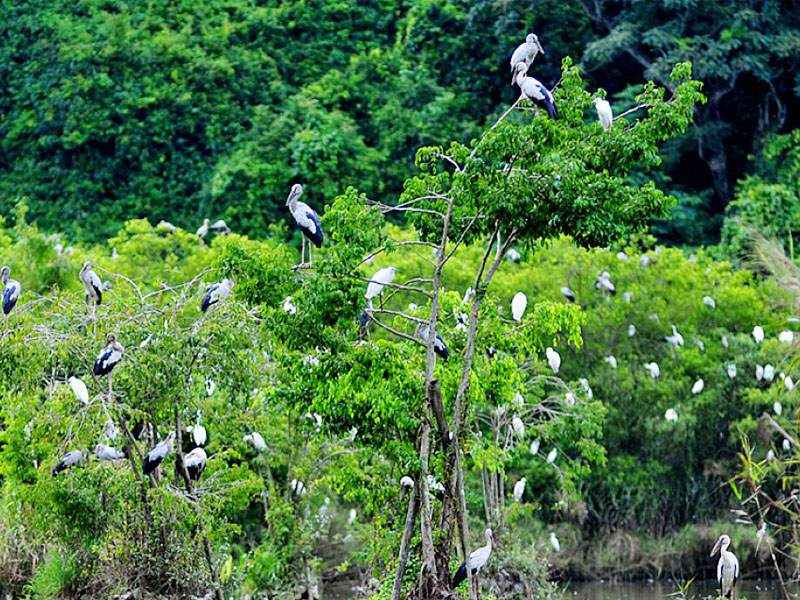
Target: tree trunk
405	543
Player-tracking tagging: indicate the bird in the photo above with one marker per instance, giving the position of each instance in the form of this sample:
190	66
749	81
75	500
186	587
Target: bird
534	448
475	561
627	296
513	255
604	113
787	444
518	305
788	383
709	302
199	433
554	542
379	280
289	306
70	459
777	408
110	429
519	490
569	399
406	482
652	368
568	294
11	290
202	231
644	261
586	387
215	293
785	336
105	452
256	440
676	339
611	360
698	386
109	356
758	334
631	330
298	487
621	255
553	359
518	426
604	283
79	389
166	226
158	453
725	341
727	567
195	462
551	456
526	52
434	484
220	227
731	371
92	285
306	220
671	415
533	89
759	373
439	347
769	373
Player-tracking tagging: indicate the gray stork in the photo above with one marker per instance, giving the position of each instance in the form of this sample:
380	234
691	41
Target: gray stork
306	220
534	90
158	453
195	462
525	53
202	231
108	358
107	453
256	440
439	347
475	561
604	113
93	286
220	227
69	460
11	290
727	567
568	294
215	293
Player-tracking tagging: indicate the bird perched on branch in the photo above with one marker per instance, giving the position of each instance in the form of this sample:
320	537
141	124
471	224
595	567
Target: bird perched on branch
109	356
534	90
525	53
195	462
256	440
79	389
220	227
69	460
518	305
158	453
107	453
11	290
475	562
604	113
306	220
439	347
378	281
215	293
93	286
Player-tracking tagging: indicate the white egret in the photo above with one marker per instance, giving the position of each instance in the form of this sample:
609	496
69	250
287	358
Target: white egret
621	255
759	373
256	440
519	490
586	388
631	330
553	359
379	280
653	369
604	284
202	231
786	336
79	389
551	456
709	302
671	415
758	334
698	386
788	383
554	542
724	341
611	360
769	373
787	445
676	339
731	371
604	113
518	426
288	306
534	448
777	408
518	305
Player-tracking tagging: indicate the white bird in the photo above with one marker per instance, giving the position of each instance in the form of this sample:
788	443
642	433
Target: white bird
110	430
777	408
379	280
105	452
195	462
709	302
611	360
676	339
298	487
770	455
586	388
671	415
306	220
554	542
787	445
758	334
788	383
644	261
769	373
519	490
109	357
604	283
534	90
220	227
199	433
569	399
513	255
553	359
759	373
158	454
518	426
70	459
698	386
627	296
518	305
202	231
215	293
551	456
11	290
620	255
534	449
475	562
786	336
211	387
434	485
406	482
725	341
519	399
604	113
731	371
351	516
92	284
526	52
699	343
568	294
288	306
79	389
256	440
631	330
166	226
653	369
727	567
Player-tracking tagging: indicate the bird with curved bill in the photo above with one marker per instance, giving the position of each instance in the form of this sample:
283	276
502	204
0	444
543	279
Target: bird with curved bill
158	453
475	561
216	293
525	53
93	286
11	290
534	90
307	221
109	357
727	567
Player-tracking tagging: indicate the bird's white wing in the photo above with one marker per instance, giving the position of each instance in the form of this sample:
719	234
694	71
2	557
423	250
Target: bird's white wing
735	567
520	54
300	214
720	568
95	280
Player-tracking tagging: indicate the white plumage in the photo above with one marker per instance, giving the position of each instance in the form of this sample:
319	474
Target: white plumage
671	415
406	482
288	306
526	52
79	389
519	490
158	454
518	426
110	430
731	371
551	456
698	386
202	231
758	334
676	339
631	330
611	360
604	113
105	452
786	336
554	542
604	283
759	373
788	383
727	567
534	90
586	387
534	449
709	302
256	440
787	445
769	373
568	294
777	408
653	369
553	359
518	305
724	341
379	280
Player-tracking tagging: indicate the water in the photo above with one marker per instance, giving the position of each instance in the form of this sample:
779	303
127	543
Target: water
751	590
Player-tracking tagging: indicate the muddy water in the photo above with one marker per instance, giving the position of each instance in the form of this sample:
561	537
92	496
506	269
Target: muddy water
752	590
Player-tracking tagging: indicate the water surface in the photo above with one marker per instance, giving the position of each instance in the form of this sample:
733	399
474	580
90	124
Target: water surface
751	590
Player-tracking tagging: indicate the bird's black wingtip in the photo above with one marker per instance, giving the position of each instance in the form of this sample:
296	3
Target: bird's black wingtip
459	576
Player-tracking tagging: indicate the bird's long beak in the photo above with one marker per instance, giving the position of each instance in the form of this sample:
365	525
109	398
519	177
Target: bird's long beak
716	547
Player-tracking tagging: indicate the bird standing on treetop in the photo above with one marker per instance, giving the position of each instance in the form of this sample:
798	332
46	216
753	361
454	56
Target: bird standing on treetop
159	452
475	562
604	113
195	462
220	227
381	279
534	90
727	567
518	305
215	293
306	220
526	53
202	231
109	356
256	440
70	459
439	347
11	290
93	286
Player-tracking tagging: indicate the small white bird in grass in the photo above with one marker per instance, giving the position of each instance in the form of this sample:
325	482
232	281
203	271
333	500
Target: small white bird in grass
534	449
475	562
787	445
759	373
288	306
653	369
644	261
11	290
727	567
786	336
519	490
586	387
107	453
604	113
769	373
554	542
166	226
569	399
526	52
676	339
518	426
216	293
553	359
698	386
731	371
551	456
518	305
758	334
379	280
631	330
709	302
671	415
788	383
158	454
611	360
69	460
406	482
534	90
256	440
79	389
777	408
513	255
